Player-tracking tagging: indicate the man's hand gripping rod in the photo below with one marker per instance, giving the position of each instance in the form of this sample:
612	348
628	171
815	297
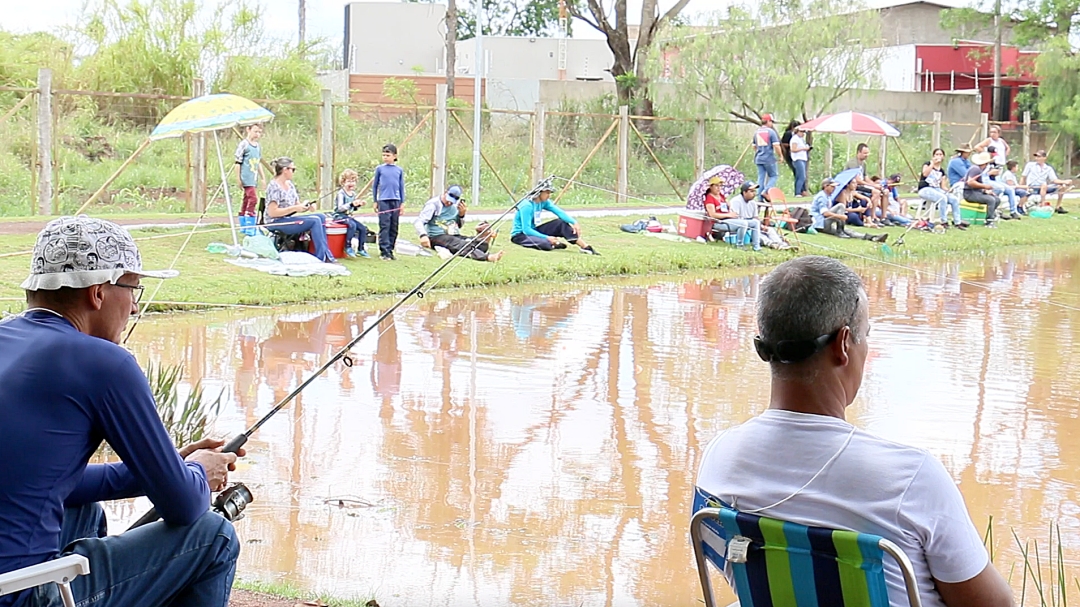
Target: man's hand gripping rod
240	440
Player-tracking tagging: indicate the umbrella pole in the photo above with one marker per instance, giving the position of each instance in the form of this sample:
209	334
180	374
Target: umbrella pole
225	187
112	178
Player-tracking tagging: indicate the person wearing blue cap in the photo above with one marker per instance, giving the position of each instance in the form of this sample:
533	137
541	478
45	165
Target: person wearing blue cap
439	224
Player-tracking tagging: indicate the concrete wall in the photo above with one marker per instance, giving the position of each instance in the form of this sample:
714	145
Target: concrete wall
920	23
538	58
522	94
338	83
394	37
892	105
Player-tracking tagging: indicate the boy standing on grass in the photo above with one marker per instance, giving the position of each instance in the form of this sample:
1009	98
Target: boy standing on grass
389	192
248	155
345	203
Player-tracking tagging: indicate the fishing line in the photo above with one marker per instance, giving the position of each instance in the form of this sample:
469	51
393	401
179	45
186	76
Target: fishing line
344	354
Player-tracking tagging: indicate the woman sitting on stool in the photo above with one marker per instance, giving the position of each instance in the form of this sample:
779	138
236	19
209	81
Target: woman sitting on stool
283	207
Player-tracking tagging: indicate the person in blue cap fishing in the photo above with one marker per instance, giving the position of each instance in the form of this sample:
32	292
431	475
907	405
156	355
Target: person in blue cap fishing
439	222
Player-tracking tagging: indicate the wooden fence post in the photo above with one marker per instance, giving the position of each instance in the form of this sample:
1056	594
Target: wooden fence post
829	158
1068	157
622	177
438	143
1027	136
45	142
538	130
197	155
699	148
935	137
883	160
326	143
985	121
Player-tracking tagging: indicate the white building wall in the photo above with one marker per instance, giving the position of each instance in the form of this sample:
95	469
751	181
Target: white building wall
395	37
515	57
898	69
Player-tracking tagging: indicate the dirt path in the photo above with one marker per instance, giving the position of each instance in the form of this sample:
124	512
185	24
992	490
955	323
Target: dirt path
246	598
8	228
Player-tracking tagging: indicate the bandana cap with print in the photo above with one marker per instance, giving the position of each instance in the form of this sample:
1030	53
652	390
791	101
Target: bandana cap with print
80	252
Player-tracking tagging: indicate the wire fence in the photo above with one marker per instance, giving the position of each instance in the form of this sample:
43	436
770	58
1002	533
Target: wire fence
626	158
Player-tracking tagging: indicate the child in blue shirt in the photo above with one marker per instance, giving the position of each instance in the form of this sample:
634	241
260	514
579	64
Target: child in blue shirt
389	192
248	155
345	203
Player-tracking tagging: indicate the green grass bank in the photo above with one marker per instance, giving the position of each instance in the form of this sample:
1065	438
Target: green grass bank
206	280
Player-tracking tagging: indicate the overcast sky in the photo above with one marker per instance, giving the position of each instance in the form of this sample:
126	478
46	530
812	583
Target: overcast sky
324	17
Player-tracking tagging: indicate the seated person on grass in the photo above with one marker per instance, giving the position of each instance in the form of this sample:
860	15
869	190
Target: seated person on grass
545	236
346	202
726	219
1008	177
889	213
830	217
859	207
978	192
1040	179
873	194
445	214
283	207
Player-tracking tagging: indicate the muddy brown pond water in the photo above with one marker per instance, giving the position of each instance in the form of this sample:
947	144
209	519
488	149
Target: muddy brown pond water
538	446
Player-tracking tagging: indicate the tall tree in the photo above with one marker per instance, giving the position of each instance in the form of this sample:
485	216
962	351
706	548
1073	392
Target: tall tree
538	18
804	59
451	46
628	68
302	18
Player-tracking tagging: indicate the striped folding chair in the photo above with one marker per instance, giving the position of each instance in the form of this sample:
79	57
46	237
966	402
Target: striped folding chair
775	563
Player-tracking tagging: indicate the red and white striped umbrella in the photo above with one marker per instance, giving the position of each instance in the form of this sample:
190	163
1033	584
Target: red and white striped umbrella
852	123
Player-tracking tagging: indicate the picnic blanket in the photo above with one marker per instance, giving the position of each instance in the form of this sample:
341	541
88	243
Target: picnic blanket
291	263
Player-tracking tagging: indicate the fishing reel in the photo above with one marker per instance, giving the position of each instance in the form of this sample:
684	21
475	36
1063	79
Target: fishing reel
232	501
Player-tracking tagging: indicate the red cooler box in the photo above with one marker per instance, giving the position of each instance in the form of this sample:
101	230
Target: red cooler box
694	225
335	239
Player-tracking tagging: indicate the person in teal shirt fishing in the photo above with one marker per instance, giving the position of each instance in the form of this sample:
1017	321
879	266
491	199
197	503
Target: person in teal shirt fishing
546	236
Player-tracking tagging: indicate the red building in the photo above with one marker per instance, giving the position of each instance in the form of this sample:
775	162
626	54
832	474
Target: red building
969	66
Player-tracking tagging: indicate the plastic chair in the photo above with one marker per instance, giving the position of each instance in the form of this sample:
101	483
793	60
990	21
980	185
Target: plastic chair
60	571
783	564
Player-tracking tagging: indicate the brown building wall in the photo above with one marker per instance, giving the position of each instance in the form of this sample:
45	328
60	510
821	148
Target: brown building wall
367	89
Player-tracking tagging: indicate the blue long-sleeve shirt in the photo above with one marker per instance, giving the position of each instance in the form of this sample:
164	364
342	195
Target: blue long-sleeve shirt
63	393
528	215
957	170
389	183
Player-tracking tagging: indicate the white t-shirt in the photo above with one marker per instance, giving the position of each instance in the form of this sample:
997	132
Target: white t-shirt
1000	157
874	486
1036	175
802	155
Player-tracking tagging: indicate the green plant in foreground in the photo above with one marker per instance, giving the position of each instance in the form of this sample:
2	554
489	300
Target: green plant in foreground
185	420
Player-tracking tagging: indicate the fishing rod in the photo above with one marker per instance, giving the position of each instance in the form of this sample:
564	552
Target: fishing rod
232	501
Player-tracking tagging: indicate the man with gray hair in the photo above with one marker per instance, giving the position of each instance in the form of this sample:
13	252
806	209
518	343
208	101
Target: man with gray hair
801	461
68	386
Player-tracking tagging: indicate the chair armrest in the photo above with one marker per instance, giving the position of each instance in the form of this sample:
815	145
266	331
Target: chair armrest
59	571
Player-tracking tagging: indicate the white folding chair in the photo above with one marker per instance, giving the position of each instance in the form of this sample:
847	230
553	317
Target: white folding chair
60	571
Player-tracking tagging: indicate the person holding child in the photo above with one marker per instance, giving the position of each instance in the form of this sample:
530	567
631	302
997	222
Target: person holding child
389	192
345	203
283	208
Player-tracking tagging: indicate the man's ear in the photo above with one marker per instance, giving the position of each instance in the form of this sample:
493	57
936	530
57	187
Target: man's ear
95	296
841	344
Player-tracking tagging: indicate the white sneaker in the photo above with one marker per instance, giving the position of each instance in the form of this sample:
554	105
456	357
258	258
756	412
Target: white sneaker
443	253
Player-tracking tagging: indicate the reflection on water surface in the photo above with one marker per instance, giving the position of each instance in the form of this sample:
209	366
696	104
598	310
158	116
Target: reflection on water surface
539	446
